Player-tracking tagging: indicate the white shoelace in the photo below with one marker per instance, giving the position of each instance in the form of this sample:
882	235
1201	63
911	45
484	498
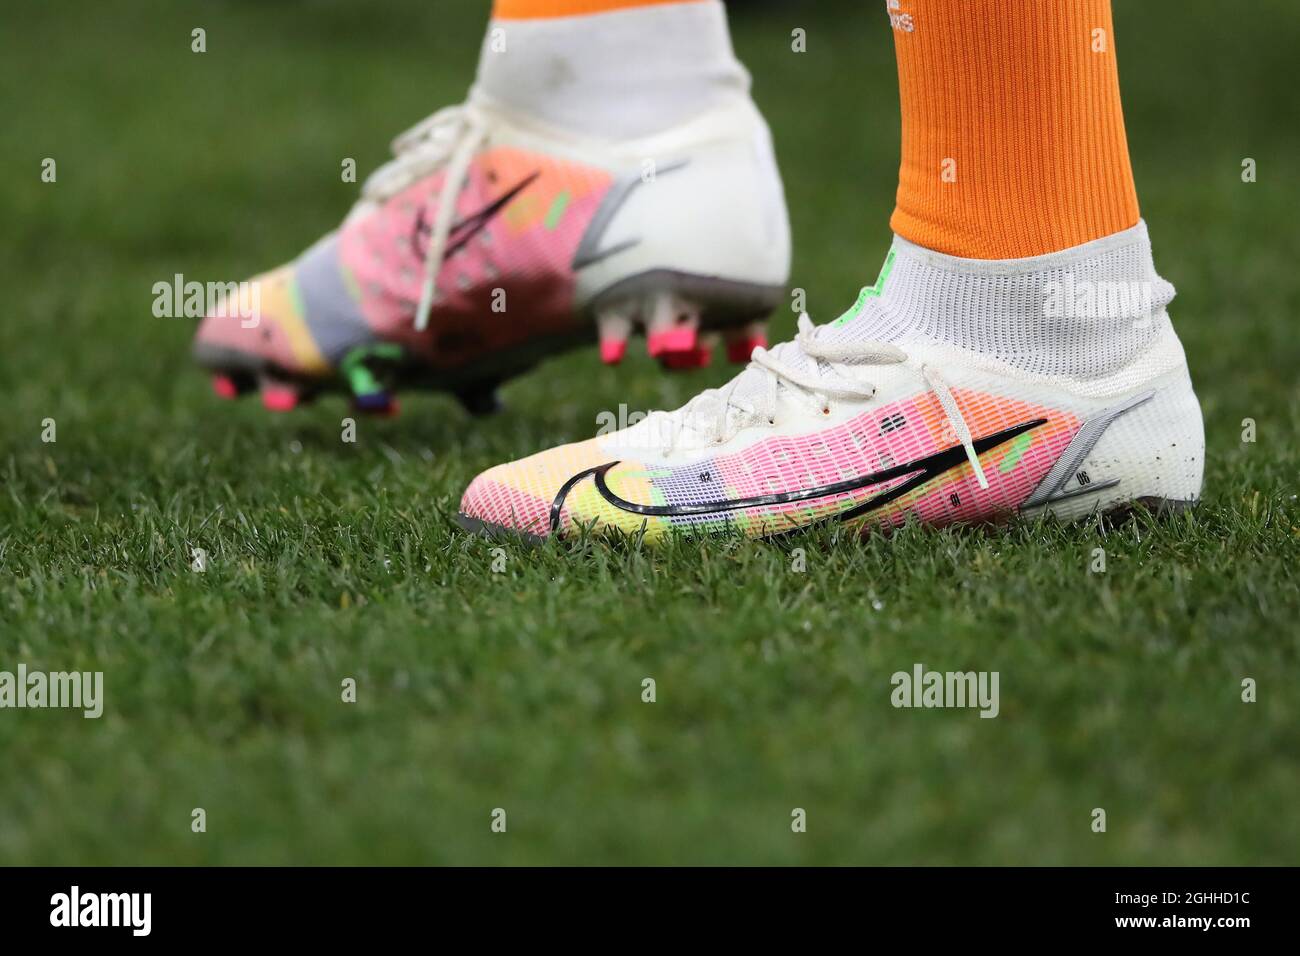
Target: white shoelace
449	138
713	406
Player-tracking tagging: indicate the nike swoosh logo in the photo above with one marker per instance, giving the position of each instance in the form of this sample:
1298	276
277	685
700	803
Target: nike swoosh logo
922	470
469	227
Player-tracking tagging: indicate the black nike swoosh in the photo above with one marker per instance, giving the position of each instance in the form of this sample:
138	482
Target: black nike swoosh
922	469
469	227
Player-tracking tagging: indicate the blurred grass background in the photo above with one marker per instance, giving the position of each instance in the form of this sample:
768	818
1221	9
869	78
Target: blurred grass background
522	690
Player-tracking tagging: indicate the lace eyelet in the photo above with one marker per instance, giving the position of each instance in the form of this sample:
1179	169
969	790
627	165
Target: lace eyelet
826	411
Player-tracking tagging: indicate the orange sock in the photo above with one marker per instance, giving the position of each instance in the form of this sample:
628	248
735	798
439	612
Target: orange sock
1013	136
537	9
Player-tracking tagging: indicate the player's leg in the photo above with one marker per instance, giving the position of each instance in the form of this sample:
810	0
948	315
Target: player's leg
1013	135
1014	354
608	173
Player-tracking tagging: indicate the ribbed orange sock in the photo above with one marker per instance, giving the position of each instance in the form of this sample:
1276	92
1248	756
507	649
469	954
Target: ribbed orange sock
1013	136
538	9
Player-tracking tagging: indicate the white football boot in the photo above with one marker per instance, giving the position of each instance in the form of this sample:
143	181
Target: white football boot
954	390
519	225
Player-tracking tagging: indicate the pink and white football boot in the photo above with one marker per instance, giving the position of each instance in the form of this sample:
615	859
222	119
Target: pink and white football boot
954	390
491	241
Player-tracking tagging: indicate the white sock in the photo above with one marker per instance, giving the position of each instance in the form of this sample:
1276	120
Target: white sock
624	73
1084	312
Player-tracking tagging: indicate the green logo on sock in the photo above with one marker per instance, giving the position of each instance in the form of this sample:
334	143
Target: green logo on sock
869	292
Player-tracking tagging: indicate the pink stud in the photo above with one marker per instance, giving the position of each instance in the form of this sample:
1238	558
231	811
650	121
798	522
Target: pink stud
681	338
225	387
612	350
740	347
277	398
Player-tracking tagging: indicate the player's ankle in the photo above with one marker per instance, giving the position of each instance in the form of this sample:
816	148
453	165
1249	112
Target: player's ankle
627	72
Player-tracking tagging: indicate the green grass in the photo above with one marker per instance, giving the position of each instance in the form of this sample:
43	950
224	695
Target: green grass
522	689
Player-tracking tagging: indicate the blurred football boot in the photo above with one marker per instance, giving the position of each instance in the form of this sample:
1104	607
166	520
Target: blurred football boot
491	241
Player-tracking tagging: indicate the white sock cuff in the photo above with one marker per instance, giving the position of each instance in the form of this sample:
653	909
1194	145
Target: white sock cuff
1083	312
1126	242
624	73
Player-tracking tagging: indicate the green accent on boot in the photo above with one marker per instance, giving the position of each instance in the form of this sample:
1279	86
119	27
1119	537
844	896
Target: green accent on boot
295	296
360	379
556	212
350	282
869	292
1015	451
